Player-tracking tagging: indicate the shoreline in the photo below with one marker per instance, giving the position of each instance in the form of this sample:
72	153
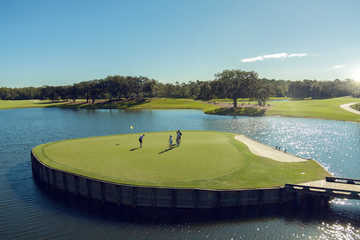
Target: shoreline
327	109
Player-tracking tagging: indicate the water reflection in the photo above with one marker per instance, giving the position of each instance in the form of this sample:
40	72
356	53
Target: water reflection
27	212
338	231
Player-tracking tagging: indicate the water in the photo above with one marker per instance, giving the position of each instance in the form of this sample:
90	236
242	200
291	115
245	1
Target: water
27	212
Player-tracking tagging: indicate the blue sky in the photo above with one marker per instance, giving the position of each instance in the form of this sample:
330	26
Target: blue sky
63	42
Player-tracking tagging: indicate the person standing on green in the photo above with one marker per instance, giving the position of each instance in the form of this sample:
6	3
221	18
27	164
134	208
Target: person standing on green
141	139
178	137
170	141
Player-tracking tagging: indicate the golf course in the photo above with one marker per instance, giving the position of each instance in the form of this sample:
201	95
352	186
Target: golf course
204	160
313	108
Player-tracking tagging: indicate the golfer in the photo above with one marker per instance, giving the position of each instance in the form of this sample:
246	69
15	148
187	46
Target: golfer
170	141
178	137
141	139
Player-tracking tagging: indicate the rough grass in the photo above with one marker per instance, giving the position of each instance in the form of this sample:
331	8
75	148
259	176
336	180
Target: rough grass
240	111
356	106
205	160
324	109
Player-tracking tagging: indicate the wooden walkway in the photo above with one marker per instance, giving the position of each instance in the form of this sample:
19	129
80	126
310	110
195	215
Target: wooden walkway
330	187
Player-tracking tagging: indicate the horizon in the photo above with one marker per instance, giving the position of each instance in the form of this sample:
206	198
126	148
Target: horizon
63	43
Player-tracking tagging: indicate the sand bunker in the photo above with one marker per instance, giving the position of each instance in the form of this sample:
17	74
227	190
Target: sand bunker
267	151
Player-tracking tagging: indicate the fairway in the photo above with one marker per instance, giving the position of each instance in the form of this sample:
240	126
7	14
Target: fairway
204	160
317	108
11	104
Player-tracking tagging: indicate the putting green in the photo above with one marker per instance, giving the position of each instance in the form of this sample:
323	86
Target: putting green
204	160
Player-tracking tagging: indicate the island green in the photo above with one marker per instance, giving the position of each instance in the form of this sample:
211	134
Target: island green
204	160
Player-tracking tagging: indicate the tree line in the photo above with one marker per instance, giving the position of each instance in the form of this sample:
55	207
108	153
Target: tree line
232	84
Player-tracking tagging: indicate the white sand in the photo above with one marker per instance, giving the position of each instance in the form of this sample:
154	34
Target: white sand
348	107
267	151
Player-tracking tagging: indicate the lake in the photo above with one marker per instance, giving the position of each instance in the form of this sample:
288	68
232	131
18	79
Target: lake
27	212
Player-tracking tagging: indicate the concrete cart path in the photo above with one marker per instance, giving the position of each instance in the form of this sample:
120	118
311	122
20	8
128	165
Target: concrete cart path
267	151
348	107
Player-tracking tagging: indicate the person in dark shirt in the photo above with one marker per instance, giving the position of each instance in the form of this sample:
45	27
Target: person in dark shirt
178	137
141	139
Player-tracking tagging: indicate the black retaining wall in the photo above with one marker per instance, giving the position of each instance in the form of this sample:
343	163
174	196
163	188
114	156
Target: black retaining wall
129	195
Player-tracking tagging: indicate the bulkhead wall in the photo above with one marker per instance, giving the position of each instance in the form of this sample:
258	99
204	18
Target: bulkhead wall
141	196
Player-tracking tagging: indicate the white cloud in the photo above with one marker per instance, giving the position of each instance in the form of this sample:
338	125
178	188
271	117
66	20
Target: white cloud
275	55
252	59
298	55
338	66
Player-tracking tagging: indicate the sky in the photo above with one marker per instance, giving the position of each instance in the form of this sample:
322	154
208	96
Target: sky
65	42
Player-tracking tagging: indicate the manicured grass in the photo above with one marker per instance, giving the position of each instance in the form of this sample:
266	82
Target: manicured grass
9	104
174	103
247	100
324	109
205	160
153	103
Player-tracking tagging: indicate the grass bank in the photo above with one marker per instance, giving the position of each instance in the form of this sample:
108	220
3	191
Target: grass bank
319	108
324	108
174	103
204	160
247	100
240	111
153	103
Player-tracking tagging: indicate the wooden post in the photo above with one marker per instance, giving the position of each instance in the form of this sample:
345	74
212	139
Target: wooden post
102	188
154	197
238	198
88	185
48	178
260	197
173	198
65	182
119	195
33	165
76	180
218	199
195	198
134	195
281	193
54	178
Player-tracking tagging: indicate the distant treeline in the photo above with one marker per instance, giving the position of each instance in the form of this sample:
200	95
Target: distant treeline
227	84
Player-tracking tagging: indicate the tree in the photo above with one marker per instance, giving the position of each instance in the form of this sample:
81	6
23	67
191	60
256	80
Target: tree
262	94
74	92
94	91
205	91
237	84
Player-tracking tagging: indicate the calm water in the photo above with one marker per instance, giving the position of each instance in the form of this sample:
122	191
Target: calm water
26	212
